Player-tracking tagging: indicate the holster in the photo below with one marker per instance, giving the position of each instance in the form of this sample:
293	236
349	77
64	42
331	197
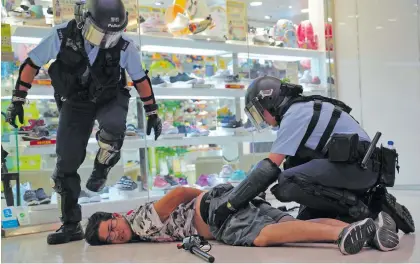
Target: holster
344	148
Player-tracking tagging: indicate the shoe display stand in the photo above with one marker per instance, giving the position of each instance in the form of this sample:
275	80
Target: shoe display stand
206	154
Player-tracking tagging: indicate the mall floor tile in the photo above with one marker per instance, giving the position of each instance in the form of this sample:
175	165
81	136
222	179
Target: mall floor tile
33	248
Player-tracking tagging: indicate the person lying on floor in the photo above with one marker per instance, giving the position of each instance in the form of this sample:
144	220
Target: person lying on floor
188	211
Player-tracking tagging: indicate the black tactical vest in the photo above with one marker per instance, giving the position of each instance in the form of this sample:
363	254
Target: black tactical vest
72	76
303	153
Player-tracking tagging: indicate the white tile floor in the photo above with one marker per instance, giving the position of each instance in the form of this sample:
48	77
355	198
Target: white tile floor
33	248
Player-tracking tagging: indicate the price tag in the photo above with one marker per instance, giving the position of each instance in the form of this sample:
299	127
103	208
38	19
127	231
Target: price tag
42	142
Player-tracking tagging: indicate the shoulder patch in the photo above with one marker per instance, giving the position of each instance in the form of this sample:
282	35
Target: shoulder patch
125	45
60	33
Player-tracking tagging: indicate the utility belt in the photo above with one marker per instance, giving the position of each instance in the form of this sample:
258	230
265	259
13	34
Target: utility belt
346	148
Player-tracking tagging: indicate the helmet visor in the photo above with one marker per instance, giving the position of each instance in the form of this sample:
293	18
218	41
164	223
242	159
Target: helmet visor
255	111
99	37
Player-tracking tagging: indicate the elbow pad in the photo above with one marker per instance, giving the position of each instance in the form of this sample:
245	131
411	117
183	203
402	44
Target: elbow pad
261	177
152	97
19	82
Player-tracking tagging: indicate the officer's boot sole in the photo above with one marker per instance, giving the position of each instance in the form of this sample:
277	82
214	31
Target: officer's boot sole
95	185
62	238
399	213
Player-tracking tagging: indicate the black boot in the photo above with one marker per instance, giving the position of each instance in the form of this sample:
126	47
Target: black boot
97	179
66	233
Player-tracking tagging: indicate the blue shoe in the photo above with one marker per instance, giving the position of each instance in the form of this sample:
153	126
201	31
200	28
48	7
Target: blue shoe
238	176
181	77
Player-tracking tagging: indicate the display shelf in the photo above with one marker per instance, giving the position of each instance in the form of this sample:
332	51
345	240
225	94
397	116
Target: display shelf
45	90
33	35
137	143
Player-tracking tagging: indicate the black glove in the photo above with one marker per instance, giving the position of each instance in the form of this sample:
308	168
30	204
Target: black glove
153	120
15	109
222	213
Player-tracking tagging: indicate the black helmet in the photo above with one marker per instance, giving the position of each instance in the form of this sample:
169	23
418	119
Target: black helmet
268	93
103	21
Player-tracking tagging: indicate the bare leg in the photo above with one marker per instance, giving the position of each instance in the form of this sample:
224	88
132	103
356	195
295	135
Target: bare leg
296	231
329	221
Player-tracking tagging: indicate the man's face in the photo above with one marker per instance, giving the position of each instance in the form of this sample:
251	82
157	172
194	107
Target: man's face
269	118
115	230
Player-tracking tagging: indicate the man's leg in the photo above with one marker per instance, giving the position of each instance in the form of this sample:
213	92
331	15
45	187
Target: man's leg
112	123
74	129
325	186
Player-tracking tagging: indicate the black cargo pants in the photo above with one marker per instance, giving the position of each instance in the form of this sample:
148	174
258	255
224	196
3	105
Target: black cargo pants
76	121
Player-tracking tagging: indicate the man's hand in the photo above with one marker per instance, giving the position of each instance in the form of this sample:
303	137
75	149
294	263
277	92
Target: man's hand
222	213
153	121
15	109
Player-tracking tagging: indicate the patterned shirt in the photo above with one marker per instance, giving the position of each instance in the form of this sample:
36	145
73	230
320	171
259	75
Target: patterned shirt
145	222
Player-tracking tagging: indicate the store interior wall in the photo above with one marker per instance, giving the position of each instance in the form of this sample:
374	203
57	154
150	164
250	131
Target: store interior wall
378	72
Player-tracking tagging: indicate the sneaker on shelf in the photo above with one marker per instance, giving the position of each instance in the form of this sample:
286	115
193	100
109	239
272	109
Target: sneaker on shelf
203	181
32	123
226	172
131	130
264	40
160	184
181	77
83	197
232	79
221	74
38	133
237	177
183	181
213	180
180	22
30	198
51	113
104	193
232	124
94	197
158	82
171	180
42	197
126	184
306	77
168	128
316	80
152	24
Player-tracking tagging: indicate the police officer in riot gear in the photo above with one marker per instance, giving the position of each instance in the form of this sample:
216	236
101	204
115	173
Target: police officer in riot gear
88	76
323	147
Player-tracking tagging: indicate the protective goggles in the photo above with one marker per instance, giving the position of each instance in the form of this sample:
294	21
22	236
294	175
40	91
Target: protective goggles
99	37
255	113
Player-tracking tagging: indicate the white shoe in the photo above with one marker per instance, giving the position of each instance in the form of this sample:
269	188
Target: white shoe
386	239
180	22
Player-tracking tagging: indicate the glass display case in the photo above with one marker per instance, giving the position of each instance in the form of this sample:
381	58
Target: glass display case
201	56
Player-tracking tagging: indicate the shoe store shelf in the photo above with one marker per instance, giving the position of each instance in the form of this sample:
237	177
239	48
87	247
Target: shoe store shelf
43	89
32	35
137	143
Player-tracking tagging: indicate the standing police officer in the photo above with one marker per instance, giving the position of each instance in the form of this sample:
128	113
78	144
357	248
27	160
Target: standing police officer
88	75
323	146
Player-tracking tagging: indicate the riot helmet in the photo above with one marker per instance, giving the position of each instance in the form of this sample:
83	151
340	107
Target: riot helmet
268	93
102	21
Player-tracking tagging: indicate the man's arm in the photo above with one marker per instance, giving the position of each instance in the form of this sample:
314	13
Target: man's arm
130	60
181	195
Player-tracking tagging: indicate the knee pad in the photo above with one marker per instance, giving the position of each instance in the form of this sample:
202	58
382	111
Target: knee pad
109	148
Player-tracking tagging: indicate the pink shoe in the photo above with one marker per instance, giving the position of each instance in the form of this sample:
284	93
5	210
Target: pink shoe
160	184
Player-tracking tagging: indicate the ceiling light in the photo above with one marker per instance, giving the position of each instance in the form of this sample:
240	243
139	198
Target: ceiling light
158	3
290	7
392	20
255	3
379	27
267	17
329	19
306	10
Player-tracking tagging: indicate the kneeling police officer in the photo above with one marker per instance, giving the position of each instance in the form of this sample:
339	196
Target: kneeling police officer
88	77
323	147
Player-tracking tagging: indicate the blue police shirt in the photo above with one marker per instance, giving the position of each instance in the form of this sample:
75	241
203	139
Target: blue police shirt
49	47
296	121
